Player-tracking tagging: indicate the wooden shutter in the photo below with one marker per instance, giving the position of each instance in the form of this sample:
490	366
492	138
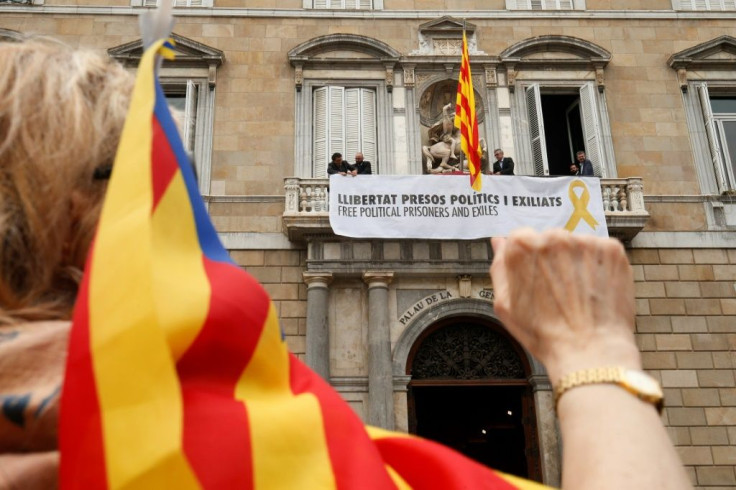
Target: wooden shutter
150	3
368	126
536	130
190	115
713	142
320	4
319	135
365	4
353	131
336	118
591	127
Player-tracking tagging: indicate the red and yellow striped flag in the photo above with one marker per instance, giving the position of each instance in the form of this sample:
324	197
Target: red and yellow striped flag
178	375
465	119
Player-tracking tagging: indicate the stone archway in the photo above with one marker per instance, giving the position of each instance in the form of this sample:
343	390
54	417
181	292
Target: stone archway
494	362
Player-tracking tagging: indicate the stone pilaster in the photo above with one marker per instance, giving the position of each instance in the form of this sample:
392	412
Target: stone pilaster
549	435
318	331
380	378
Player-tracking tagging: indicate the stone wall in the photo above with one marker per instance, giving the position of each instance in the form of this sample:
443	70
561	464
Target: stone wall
686	330
280	273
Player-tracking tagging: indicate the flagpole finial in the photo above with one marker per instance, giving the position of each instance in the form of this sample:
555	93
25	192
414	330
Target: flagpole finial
157	23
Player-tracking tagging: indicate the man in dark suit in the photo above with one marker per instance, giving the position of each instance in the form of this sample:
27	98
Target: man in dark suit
362	166
338	166
583	166
502	166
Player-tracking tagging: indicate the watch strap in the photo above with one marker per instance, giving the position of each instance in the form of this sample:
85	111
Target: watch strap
615	375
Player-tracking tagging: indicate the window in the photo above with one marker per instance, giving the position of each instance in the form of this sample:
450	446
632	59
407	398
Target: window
339	102
176	3
184	98
343	4
719	116
545	4
569	117
344	121
189	83
704	4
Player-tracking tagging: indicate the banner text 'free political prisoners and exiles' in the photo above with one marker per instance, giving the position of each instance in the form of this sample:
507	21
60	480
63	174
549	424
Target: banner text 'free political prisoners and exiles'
445	207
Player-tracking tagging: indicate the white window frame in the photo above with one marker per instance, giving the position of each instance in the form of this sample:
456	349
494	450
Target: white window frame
347	123
199	108
529	134
704	5
304	120
545	4
343	4
711	155
176	3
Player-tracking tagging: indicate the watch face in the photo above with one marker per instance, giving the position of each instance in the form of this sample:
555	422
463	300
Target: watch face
643	383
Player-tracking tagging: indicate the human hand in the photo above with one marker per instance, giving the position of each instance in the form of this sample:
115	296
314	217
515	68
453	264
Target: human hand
568	299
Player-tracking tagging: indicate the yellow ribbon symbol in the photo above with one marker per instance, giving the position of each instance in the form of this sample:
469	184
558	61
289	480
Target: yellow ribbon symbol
581	206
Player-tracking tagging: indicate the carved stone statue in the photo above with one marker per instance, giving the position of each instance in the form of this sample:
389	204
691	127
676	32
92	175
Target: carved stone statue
443	152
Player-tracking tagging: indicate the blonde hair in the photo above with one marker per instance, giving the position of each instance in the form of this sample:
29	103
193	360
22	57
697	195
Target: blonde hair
61	115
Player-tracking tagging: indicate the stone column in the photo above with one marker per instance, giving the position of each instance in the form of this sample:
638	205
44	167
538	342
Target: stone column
549	436
380	379
318	331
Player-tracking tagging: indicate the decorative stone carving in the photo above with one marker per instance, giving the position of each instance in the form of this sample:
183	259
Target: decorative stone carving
511	77
467	351
389	77
298	77
600	78
491	79
447	47
444	144
408	76
682	79
464	285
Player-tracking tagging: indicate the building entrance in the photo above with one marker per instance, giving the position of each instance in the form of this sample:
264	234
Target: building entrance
469	391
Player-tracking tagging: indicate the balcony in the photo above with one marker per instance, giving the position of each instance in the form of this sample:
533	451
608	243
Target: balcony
307	207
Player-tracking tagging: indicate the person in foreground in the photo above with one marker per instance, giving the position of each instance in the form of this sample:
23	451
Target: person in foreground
612	439
61	114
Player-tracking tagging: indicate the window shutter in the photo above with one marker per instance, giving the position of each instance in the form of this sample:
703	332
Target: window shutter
365	4
535	4
150	3
710	130
368	124
536	130
320	4
591	128
190	115
336	117
353	115
319	138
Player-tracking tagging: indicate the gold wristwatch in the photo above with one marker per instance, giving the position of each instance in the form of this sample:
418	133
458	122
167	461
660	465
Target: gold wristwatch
636	382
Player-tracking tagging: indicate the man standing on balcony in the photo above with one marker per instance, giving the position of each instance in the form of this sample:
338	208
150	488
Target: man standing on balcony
502	166
583	166
362	166
338	166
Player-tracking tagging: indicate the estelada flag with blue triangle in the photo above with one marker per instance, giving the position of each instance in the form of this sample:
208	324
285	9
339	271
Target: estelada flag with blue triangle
178	376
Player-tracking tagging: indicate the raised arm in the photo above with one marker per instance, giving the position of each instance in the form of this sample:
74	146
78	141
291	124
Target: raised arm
569	300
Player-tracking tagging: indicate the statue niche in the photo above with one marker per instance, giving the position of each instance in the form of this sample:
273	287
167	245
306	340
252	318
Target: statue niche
441	149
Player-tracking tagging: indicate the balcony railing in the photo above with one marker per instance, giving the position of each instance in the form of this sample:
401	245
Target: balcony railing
307	207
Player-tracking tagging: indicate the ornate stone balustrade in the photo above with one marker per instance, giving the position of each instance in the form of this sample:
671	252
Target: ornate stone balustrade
307	207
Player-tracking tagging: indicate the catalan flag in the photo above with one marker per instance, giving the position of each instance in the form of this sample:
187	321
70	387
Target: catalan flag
465	119
178	376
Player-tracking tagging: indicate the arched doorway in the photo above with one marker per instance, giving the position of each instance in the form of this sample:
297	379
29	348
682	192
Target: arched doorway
469	390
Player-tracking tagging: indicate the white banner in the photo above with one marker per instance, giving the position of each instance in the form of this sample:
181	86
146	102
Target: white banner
445	207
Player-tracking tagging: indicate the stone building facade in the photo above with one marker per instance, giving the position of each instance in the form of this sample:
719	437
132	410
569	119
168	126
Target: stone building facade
648	88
